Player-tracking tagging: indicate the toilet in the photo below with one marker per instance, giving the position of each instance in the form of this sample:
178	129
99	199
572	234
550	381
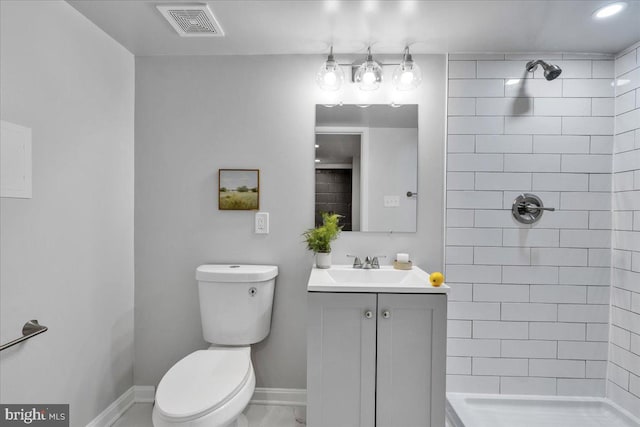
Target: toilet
211	388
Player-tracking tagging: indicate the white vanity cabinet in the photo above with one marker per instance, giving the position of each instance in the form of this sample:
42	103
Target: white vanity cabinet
376	359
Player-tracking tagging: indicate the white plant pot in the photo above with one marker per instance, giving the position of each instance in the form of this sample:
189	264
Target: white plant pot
323	259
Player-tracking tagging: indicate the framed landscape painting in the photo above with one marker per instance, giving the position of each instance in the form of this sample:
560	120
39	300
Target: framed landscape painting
238	189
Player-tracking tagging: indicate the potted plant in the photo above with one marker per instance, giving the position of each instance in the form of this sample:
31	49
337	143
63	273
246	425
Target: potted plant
319	239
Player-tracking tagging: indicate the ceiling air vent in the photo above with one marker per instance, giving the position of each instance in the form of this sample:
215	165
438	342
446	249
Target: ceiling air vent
189	20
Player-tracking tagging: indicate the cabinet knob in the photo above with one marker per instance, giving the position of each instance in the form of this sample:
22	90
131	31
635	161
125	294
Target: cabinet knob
386	314
368	314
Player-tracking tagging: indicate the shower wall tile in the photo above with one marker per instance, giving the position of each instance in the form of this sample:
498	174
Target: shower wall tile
587	88
529	349
531	88
532	308
602	107
561	144
500	366
500	293
532	125
473	384
587	125
593	163
528	385
623	386
562	106
586	387
503	143
602	69
503	106
463	69
501	69
471	88
557	368
557	331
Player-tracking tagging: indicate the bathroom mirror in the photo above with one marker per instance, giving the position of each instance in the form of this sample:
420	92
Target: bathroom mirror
366	166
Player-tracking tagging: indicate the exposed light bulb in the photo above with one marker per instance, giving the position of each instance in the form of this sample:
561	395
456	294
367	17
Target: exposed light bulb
407	75
406	78
330	75
369	77
330	78
369	73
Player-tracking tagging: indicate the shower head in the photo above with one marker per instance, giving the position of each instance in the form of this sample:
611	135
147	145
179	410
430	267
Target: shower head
550	71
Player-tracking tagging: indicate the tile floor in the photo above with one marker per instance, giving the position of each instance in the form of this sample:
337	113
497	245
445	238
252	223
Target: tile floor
139	415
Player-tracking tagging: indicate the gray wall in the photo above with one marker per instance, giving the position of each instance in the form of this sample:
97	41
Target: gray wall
529	309
67	253
623	375
195	115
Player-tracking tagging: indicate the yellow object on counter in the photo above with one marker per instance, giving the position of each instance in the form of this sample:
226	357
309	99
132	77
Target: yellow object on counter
436	279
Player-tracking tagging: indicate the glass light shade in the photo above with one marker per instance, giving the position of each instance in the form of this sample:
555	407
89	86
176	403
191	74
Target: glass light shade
330	75
369	75
407	75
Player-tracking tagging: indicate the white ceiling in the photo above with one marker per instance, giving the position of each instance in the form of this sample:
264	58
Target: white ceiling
308	27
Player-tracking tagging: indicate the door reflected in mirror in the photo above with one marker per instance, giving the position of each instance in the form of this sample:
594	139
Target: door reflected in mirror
366	166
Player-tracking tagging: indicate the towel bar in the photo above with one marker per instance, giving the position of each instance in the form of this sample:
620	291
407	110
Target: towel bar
30	329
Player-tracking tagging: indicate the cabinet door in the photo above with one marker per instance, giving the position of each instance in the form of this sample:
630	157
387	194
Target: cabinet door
411	360
341	360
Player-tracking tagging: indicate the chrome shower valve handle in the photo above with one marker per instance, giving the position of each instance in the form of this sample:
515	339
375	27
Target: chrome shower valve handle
528	208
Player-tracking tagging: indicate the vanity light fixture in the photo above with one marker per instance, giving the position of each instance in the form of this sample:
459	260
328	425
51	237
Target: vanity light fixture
330	76
609	10
407	75
368	76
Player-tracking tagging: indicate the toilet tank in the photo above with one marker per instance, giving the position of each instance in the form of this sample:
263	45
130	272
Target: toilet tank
236	302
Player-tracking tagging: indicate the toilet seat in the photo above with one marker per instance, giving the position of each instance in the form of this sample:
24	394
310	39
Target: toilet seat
203	382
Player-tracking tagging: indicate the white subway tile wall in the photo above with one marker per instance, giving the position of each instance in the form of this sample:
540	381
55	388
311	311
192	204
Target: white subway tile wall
529	310
624	352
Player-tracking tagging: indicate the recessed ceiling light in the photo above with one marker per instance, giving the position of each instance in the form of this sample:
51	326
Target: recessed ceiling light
609	10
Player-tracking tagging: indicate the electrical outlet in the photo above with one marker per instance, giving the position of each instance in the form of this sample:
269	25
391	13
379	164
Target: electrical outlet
262	223
391	201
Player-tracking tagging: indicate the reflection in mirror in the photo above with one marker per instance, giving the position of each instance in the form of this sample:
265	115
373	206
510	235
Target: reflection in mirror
367	166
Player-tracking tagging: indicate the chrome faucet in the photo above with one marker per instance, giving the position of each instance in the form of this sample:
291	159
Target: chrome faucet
368	264
356	261
375	262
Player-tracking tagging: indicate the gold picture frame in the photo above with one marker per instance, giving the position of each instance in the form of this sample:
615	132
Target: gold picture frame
238	189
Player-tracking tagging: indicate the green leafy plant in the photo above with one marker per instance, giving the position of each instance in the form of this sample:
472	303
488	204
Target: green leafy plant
319	239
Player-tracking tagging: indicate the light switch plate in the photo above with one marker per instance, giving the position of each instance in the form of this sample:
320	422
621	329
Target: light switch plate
262	223
391	201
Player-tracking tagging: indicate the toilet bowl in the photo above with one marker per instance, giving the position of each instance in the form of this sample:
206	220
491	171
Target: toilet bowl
206	388
211	388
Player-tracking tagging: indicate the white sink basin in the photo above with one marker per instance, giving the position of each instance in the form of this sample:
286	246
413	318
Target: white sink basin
345	278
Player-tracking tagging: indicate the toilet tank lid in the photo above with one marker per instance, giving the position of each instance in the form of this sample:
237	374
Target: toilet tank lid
235	273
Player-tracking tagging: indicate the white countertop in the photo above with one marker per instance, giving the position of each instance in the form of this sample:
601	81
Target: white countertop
345	278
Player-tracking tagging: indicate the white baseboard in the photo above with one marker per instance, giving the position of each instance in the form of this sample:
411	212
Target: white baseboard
146	394
279	396
136	394
115	410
